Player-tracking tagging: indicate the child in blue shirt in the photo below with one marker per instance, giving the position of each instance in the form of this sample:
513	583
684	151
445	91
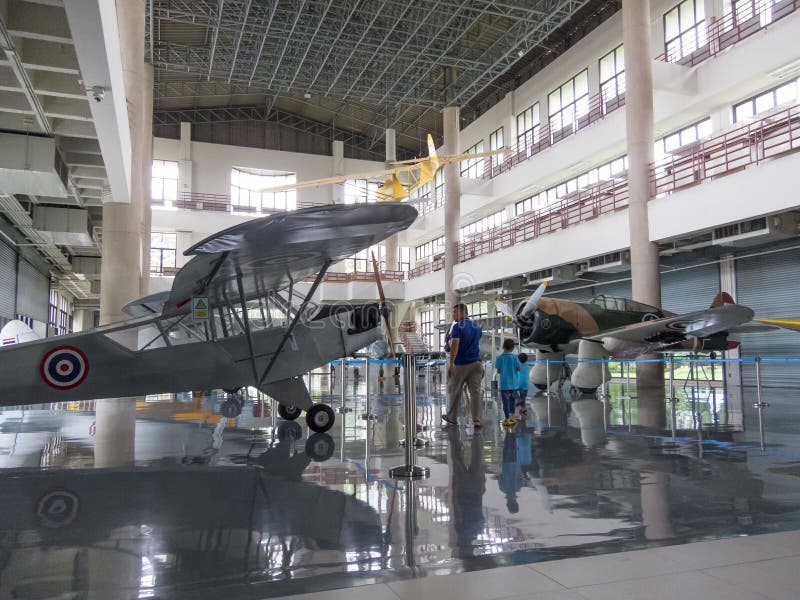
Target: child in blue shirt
508	365
522	384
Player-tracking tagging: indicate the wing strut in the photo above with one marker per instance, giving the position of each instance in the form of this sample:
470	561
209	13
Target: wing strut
294	322
247	329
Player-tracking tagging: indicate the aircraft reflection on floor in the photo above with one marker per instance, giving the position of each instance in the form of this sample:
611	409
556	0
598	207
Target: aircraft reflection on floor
197	501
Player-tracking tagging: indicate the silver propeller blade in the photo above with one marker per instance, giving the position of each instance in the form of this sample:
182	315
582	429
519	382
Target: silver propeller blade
532	303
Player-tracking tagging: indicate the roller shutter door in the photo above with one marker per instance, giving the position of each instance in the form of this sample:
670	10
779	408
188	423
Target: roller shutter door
689	289
8	281
579	295
33	292
619	289
770	285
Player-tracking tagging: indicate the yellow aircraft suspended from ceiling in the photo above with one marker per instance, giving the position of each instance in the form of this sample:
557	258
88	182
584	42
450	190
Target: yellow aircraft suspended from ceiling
417	171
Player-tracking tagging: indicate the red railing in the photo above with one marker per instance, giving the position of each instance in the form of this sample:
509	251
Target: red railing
336	277
749	144
771	137
745	20
222	203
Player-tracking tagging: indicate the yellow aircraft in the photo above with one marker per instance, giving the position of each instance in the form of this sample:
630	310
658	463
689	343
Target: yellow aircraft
417	171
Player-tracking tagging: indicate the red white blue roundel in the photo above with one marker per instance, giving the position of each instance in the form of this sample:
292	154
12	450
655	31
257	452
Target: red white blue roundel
64	368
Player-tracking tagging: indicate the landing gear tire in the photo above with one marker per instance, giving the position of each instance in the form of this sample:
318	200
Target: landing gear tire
587	390
289	430
231	408
319	447
289	413
540	386
320	418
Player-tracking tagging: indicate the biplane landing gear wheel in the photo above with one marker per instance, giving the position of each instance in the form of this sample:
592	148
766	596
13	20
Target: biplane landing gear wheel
231	408
289	430
320	418
290	413
319	447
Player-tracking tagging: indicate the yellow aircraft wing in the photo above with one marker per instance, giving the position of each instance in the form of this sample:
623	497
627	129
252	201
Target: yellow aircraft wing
792	324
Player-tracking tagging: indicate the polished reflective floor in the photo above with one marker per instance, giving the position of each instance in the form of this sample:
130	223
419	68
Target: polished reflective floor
166	497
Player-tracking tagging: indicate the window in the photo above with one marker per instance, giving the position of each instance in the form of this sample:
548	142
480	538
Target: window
687	135
472	168
786	93
360	191
164	182
478	309
245	196
612	75
685	29
484	224
569	102
744	10
438	184
496	143
528	126
427	326
59	314
163	250
431	248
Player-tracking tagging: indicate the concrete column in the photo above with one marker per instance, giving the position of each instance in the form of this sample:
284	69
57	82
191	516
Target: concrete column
122	265
392	251
734	400
452	201
185	162
510	122
645	276
146	133
337	191
115	432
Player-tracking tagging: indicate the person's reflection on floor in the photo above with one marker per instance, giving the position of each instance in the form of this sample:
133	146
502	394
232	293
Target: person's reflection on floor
468	484
516	464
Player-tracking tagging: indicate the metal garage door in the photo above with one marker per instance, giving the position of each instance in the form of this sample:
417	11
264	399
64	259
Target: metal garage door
689	289
770	285
33	292
8	281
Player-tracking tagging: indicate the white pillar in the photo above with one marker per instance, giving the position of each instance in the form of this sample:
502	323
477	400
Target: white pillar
337	191
734	401
185	160
146	135
452	203
645	276
392	251
122	264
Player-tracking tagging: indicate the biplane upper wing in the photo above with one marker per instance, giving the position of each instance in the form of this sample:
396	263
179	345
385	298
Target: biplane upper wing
701	323
269	253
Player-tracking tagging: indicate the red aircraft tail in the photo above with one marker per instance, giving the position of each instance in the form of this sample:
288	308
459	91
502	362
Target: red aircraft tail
722	298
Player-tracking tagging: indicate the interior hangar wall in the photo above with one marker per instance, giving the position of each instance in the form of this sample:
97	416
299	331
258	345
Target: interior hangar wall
24	290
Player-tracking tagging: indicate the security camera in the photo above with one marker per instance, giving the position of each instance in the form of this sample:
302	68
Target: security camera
98	93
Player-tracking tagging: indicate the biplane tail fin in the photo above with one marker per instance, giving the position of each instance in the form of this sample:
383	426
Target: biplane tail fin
790	324
432	156
721	299
17	332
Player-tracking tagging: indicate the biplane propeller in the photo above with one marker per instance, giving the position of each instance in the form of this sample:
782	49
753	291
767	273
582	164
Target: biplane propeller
257	325
416	172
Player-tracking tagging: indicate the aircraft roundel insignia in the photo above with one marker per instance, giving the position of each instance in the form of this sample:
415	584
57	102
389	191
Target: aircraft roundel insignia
64	368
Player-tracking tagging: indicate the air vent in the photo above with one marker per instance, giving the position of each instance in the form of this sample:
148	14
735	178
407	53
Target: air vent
755	231
562	274
615	262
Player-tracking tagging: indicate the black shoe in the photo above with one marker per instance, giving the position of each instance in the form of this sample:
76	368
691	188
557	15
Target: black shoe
448	422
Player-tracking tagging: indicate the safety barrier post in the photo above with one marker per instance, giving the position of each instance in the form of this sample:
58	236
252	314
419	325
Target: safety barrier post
410	470
367	416
342	408
547	369
603	394
672	399
760	405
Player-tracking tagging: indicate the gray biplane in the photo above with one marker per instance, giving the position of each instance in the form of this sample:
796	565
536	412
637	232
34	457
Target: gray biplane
259	328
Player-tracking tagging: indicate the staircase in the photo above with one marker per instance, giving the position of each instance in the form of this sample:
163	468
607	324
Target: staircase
411	339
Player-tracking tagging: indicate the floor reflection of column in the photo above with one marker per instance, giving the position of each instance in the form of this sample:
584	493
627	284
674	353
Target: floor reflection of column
654	490
651	408
589	411
114	440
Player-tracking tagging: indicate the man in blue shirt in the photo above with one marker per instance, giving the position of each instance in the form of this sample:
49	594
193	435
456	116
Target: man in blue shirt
465	366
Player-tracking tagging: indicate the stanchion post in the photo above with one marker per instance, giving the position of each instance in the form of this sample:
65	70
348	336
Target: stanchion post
410	470
760	405
547	370
672	399
367	416
342	408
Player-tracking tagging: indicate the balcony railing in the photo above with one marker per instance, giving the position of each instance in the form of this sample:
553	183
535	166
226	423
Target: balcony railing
222	203
773	136
747	19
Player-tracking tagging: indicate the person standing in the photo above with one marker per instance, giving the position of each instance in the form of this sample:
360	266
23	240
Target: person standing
523	377
508	365
465	366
